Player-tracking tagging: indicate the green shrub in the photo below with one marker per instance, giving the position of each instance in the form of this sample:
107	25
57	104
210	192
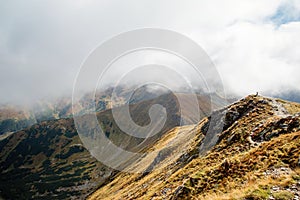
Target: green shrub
258	194
283	195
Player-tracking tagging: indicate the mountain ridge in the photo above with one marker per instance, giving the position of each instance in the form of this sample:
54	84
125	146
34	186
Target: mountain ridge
254	128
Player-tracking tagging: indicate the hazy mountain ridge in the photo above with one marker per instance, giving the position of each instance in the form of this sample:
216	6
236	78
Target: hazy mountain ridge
14	118
17	117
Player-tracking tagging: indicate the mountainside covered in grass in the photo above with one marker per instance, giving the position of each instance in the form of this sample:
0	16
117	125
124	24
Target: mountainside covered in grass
248	150
48	160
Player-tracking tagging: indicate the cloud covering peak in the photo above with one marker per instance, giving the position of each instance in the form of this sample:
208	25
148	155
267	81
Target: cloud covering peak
254	44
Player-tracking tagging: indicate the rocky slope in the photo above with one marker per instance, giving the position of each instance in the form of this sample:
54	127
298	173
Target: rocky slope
248	150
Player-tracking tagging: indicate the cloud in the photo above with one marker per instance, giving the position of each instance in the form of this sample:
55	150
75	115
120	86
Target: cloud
259	57
254	43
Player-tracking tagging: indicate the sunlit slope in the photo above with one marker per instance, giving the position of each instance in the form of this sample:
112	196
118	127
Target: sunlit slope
254	156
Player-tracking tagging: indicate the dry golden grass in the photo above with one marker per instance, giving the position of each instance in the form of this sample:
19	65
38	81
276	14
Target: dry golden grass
233	169
259	187
292	108
134	186
245	173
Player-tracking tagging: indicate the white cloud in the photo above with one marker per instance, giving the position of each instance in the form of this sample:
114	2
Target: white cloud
43	43
259	57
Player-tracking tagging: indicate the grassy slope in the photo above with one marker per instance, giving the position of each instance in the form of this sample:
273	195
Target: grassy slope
259	139
47	160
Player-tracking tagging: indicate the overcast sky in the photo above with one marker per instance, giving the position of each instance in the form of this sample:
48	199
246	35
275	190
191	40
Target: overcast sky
254	44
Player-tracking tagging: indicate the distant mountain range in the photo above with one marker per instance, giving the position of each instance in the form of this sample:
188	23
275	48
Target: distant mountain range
17	117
